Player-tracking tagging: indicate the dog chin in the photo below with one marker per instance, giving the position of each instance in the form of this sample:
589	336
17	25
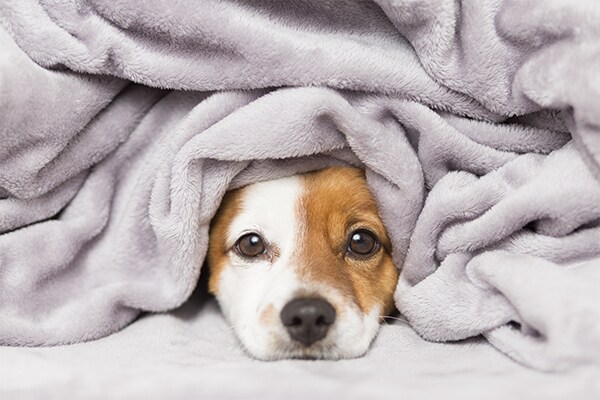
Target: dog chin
315	352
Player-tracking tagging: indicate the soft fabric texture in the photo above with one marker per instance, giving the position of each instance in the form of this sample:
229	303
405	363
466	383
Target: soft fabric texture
477	122
192	353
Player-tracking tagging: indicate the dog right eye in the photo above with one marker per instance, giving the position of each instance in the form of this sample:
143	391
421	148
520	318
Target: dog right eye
250	245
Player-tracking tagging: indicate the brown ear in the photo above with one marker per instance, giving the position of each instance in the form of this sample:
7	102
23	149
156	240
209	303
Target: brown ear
217	246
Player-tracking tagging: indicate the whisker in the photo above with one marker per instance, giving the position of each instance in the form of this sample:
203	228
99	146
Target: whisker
243	347
229	329
386	317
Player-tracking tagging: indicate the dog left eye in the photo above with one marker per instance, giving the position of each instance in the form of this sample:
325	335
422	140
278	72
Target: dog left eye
250	245
362	243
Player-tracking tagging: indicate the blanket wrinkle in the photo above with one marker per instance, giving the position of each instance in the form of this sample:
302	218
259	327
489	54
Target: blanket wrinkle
561	235
477	123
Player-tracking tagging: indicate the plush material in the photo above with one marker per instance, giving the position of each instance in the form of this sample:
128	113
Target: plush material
192	353
124	122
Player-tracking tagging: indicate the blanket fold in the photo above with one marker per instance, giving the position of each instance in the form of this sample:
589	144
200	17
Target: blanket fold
477	122
510	273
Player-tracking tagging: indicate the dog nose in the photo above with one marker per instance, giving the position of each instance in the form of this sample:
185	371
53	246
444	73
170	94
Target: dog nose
307	320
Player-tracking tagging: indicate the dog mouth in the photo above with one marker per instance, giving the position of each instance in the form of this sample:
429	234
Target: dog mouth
307	329
311	325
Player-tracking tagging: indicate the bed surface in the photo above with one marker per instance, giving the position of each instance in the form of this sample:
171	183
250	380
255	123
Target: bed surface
192	353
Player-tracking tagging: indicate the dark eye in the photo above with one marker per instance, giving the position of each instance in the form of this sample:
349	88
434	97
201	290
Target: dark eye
362	243
250	245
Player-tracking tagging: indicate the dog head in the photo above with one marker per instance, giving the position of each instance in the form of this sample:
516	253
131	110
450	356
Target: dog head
301	266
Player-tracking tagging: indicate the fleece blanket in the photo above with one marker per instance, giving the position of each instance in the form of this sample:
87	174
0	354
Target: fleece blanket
124	122
192	353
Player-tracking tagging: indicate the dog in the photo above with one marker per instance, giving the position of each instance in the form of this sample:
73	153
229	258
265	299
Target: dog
301	266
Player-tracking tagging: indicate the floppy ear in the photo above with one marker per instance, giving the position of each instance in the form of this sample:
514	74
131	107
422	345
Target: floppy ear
217	258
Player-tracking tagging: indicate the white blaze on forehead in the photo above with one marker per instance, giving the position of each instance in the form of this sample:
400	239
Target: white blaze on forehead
270	208
248	287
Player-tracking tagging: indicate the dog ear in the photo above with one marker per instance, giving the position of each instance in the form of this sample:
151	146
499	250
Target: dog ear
217	258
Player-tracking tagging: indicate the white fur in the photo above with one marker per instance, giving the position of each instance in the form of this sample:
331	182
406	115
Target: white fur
247	288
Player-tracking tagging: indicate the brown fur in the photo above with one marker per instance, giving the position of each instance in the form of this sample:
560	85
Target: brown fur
336	202
217	251
268	316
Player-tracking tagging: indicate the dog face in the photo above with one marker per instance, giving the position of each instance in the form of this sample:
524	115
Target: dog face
302	266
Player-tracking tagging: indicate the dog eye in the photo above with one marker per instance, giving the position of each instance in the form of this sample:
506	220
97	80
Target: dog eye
250	245
362	243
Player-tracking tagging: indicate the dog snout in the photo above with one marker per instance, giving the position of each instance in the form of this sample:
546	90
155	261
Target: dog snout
308	320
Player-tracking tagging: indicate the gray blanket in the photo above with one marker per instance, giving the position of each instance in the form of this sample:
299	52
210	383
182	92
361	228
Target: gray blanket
124	122
191	353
